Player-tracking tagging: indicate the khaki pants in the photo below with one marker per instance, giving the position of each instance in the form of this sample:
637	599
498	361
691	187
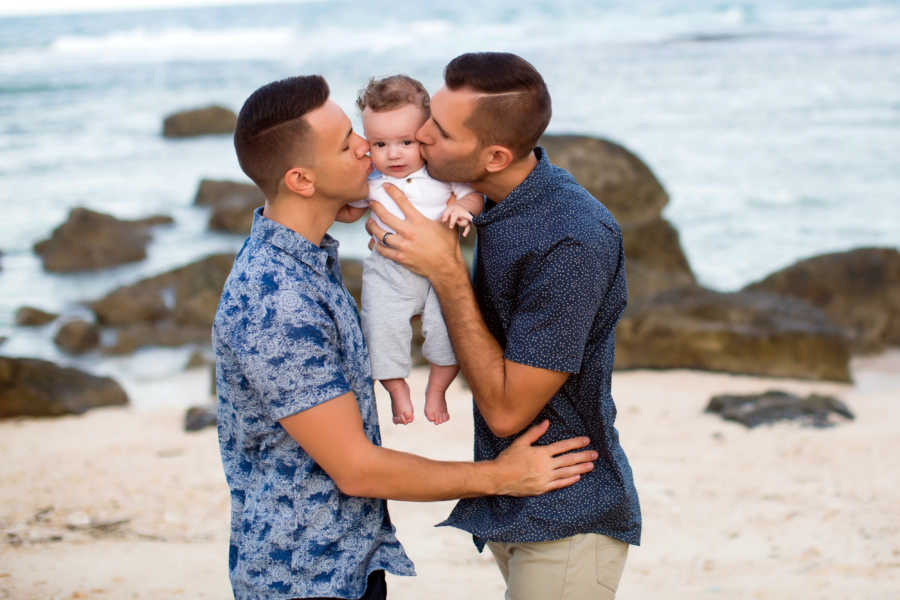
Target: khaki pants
582	567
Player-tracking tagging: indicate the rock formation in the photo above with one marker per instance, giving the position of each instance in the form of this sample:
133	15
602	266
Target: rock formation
38	388
92	240
232	204
858	290
209	120
744	332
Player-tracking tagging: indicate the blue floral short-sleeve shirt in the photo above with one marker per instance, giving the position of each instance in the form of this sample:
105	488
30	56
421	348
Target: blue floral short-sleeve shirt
287	338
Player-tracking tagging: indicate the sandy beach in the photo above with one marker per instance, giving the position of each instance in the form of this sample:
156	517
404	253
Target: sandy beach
122	503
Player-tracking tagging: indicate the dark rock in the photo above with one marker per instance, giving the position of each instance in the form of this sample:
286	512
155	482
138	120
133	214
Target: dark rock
38	388
171	309
859	290
209	120
28	316
351	273
77	337
654	262
92	240
232	204
198	358
200	417
614	175
743	332
188	295
756	409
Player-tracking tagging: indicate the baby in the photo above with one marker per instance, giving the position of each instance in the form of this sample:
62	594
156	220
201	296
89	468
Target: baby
393	109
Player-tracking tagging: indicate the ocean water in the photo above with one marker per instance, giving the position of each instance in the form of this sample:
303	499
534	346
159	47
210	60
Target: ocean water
773	125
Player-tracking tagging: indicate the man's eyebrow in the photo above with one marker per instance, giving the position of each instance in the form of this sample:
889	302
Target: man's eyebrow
438	125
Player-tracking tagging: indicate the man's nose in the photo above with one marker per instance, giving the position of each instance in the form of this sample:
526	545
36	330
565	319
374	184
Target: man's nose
362	147
423	134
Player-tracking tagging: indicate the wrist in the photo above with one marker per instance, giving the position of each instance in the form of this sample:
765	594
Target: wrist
492	478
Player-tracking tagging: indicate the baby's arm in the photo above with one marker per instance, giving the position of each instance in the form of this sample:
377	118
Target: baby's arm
459	211
350	213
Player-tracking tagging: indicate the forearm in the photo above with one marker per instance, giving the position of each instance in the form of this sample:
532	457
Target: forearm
385	473
472	203
480	356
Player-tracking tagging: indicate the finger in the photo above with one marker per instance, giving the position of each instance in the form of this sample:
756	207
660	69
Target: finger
409	211
533	434
374	229
572	471
567	445
388	218
371	243
575	458
561	483
466	230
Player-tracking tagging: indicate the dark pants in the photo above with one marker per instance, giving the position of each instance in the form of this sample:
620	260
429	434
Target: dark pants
376	589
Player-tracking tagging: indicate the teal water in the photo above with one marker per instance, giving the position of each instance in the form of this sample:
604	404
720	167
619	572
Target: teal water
775	126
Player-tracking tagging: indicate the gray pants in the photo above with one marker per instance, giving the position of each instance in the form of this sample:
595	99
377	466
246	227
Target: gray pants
391	295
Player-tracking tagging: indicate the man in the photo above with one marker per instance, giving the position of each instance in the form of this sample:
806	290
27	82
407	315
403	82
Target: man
535	338
298	428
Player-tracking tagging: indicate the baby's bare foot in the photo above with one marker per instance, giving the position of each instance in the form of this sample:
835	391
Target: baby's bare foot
436	408
402	409
401	404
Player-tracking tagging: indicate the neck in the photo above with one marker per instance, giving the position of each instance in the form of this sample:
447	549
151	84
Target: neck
310	217
497	186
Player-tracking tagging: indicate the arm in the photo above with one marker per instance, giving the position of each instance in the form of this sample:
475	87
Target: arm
508	394
472	202
332	434
460	212
349	214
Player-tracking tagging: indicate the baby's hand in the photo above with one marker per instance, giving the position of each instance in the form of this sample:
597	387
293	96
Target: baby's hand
456	216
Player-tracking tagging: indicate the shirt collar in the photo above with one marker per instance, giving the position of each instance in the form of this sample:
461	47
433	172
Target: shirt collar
420	174
523	195
320	258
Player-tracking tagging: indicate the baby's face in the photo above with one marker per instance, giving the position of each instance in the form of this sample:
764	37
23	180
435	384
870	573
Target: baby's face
392	139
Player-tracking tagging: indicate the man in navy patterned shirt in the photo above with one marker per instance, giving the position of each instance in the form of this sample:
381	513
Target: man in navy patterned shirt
298	429
535	335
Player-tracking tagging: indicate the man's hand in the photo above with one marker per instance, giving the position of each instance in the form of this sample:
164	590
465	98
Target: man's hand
423	246
531	470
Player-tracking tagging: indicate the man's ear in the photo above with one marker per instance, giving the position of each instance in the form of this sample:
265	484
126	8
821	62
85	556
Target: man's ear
497	158
301	181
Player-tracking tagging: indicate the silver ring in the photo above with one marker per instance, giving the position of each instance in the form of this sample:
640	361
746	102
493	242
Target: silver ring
384	238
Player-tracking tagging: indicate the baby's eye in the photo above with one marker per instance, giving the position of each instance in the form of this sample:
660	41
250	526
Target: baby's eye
408	142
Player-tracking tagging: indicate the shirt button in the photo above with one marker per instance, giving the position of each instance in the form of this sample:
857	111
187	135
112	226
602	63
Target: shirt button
409	180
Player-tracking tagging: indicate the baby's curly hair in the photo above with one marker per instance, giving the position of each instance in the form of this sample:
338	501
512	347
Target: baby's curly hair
393	92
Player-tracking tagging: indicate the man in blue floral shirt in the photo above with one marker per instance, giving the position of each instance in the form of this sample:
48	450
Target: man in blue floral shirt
298	429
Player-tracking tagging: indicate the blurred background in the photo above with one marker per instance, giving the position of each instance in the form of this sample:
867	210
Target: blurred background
773	125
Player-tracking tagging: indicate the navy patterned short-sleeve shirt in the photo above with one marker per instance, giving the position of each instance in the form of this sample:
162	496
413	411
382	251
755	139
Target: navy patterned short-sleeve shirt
287	338
550	282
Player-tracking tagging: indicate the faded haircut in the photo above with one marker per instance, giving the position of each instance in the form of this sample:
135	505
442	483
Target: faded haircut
393	92
271	134
514	109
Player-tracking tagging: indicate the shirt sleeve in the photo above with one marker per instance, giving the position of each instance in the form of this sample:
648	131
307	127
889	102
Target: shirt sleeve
461	189
291	356
558	304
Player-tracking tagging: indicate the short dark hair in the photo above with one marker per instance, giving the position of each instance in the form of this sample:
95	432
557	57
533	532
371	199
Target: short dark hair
271	133
393	92
515	109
